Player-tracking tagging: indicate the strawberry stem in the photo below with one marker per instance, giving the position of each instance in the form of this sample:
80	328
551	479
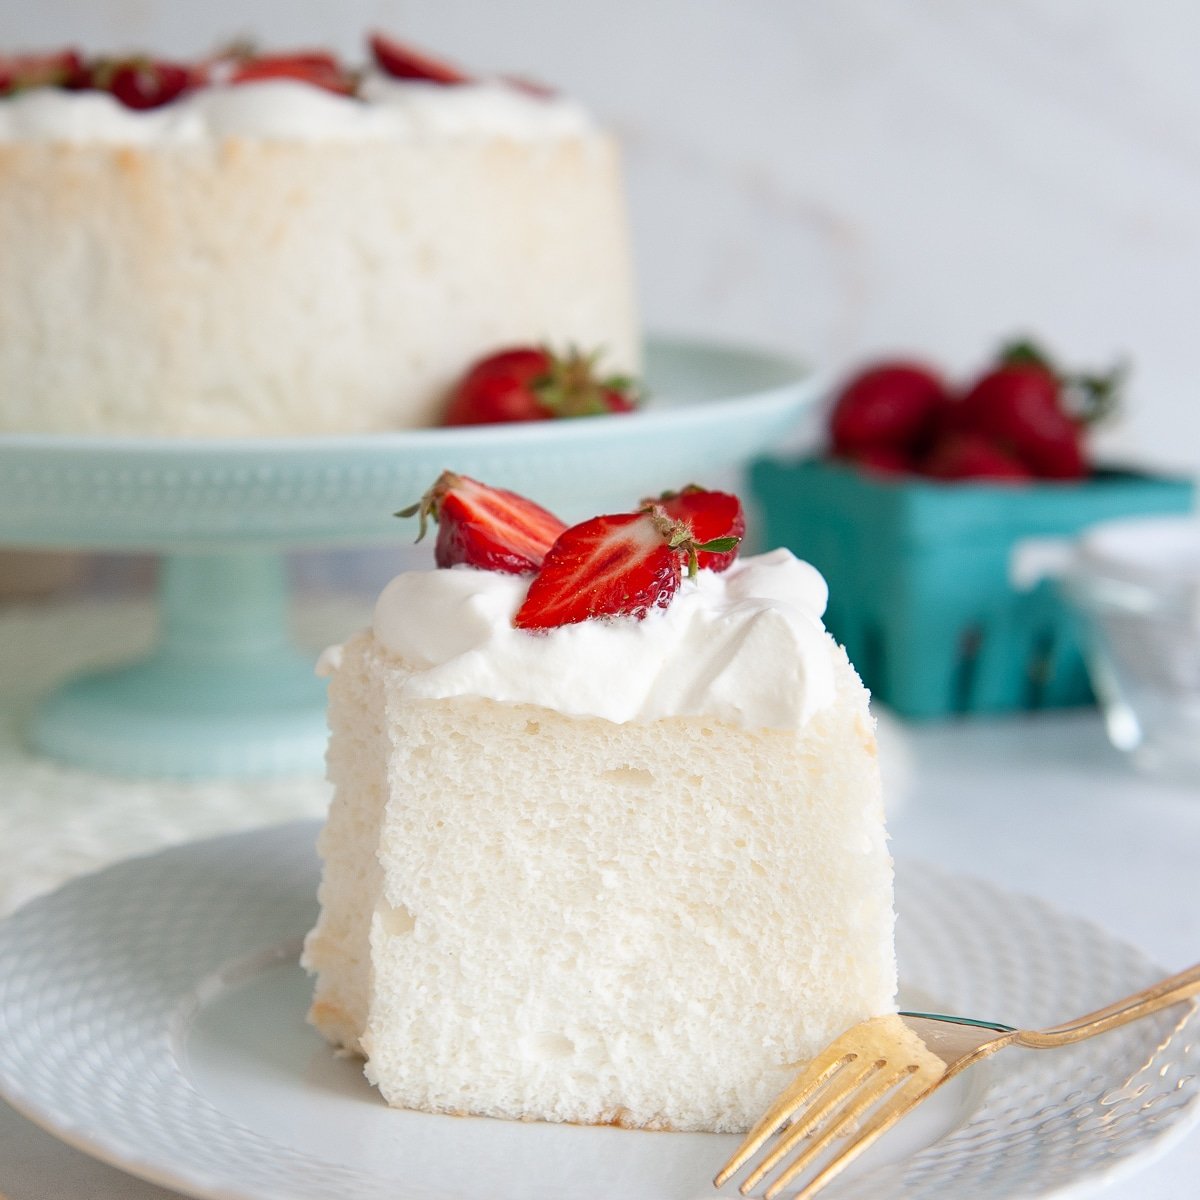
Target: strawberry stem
430	502
1024	352
721	545
1092	398
571	387
1088	396
412	510
680	536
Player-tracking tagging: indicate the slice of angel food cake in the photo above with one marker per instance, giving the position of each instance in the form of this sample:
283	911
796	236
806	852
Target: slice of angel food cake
607	842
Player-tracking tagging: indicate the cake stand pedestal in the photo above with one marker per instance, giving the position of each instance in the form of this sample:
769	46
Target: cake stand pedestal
224	693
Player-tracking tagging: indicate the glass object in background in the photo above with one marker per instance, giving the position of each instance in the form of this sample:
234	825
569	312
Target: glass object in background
1137	584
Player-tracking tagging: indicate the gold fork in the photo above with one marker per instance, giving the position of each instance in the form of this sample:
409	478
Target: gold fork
881	1069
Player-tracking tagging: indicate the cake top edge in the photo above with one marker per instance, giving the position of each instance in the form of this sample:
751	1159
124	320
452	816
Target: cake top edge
384	110
241	91
744	646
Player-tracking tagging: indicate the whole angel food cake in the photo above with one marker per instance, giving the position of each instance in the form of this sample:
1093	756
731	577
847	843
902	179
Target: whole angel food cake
607	843
278	245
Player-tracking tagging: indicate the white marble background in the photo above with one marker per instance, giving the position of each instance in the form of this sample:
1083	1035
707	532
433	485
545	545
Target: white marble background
840	178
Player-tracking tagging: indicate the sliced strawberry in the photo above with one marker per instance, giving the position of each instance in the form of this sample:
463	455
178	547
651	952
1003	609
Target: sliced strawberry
620	398
140	82
622	565
316	67
531	383
531	87
403	62
485	527
710	516
313	60
62	69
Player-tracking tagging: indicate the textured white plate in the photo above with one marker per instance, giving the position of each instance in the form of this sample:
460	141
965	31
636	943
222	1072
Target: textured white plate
152	1015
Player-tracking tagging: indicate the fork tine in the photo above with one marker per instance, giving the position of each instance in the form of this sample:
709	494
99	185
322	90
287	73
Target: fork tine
915	1086
845	1083
831	1060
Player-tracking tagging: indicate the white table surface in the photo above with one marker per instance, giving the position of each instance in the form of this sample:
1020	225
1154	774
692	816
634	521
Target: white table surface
1040	805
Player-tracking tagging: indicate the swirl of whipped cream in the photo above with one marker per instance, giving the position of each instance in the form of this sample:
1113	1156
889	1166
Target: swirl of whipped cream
745	646
385	109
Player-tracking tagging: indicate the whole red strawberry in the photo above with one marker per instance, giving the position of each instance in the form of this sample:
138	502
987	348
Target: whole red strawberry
403	62
501	387
531	383
64	68
485	527
1018	408
960	455
1035	413
316	67
894	404
621	565
140	82
709	515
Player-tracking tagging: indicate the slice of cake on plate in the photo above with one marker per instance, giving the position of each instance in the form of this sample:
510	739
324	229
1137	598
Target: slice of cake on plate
607	843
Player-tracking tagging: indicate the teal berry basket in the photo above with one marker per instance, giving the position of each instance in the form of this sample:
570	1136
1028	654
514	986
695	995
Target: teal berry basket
920	578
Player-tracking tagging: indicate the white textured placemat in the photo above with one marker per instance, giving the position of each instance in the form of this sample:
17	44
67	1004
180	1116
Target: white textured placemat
57	822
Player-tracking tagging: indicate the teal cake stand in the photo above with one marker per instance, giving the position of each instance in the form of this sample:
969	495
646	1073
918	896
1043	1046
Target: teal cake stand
224	693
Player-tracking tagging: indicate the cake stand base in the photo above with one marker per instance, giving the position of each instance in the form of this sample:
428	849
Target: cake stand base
223	694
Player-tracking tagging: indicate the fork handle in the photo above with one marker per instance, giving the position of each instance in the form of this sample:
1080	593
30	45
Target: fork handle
1141	1004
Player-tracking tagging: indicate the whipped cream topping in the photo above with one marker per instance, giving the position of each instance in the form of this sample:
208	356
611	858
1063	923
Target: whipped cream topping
386	109
744	646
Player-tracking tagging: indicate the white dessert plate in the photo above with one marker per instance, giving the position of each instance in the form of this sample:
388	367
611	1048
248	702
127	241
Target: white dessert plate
152	1015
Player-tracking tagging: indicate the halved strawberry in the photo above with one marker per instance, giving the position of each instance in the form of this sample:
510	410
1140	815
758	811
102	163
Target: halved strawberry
710	515
140	82
63	68
531	87
531	383
485	527
316	67
621	565
403	62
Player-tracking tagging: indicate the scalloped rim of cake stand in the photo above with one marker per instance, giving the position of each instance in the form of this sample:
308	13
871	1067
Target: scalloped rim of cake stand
711	406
